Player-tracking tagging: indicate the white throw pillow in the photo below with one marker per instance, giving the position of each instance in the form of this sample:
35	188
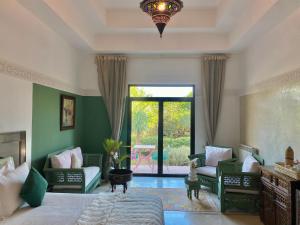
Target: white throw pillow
76	162
215	154
7	162
78	153
62	160
10	188
250	165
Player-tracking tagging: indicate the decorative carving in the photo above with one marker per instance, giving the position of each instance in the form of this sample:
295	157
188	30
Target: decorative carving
274	82
23	73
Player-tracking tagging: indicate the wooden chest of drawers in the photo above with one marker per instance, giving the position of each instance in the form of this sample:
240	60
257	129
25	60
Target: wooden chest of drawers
278	198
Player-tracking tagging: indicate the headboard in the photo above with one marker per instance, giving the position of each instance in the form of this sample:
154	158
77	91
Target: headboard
13	144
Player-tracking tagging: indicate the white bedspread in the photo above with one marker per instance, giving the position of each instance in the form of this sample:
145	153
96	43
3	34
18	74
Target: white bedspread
66	209
120	209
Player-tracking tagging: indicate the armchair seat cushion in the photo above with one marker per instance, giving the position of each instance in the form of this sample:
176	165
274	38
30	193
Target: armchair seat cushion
241	191
90	173
207	171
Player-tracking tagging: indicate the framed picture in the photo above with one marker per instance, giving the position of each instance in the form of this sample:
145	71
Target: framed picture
67	112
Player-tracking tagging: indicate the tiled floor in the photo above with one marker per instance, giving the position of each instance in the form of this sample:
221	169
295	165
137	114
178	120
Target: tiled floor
188	218
146	169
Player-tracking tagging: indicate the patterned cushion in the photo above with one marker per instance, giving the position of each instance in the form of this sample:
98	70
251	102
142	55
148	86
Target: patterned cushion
207	171
215	154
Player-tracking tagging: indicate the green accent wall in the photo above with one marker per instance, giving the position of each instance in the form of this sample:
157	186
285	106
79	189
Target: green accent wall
91	128
46	134
96	125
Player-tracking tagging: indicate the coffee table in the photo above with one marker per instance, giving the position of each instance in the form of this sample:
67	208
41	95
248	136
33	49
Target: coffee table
119	177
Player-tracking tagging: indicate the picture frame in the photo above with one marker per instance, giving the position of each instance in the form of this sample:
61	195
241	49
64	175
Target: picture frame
67	112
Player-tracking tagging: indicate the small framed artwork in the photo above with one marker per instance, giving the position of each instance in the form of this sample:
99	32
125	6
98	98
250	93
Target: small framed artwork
67	112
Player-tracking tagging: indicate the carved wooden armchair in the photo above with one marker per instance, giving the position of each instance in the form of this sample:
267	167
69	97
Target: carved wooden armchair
237	189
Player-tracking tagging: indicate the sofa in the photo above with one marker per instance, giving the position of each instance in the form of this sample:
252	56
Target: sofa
73	172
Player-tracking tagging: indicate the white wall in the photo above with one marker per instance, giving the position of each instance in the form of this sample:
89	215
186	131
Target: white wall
25	41
28	45
16	107
182	70
270	105
275	53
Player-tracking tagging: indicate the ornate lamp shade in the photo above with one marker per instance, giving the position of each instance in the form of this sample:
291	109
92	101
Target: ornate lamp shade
161	11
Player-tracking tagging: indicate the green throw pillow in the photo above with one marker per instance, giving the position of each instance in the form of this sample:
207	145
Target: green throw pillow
34	188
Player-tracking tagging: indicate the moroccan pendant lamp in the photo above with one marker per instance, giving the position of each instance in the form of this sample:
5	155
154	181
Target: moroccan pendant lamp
161	11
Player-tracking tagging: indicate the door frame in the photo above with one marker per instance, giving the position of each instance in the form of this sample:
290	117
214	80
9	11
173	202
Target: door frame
160	101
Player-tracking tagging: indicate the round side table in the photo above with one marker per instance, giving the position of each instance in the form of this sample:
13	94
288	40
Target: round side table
192	186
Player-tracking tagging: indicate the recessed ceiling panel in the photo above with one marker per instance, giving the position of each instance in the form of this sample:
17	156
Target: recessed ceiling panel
135	3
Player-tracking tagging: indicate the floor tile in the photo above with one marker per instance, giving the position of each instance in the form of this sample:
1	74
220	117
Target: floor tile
191	218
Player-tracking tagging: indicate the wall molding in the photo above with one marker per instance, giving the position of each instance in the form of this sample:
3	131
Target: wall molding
284	79
20	72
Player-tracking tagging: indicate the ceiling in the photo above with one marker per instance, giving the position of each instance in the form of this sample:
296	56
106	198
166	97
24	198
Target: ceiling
119	26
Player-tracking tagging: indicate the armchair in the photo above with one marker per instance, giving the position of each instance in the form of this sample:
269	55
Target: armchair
237	189
207	175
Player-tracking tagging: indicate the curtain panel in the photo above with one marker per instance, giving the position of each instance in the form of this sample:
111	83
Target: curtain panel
212	82
112	81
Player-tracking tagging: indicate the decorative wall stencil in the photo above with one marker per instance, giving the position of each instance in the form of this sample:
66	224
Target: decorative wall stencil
275	82
270	118
23	73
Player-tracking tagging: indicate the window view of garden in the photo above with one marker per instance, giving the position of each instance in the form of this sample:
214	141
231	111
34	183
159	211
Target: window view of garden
176	132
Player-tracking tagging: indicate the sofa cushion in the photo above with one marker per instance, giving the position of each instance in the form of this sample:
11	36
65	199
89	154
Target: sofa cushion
78	157
250	165
207	171
90	173
76	162
215	154
62	160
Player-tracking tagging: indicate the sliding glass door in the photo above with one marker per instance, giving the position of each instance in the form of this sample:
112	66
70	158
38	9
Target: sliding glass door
161	129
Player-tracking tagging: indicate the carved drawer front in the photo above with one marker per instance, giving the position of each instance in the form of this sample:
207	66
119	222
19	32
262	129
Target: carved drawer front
281	216
282	184
281	199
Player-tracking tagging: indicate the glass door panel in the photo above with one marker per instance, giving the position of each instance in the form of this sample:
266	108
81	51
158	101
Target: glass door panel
144	137
176	137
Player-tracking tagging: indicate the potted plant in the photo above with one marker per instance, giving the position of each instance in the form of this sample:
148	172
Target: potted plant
112	148
116	176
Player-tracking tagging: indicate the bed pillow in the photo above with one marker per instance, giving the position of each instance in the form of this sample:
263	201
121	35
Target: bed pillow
76	158
8	162
62	160
250	165
215	154
34	188
10	188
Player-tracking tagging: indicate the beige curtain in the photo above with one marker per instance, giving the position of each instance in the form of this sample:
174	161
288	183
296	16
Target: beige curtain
112	80
212	80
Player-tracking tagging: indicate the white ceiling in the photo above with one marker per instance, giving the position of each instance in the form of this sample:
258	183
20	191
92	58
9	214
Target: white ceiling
119	26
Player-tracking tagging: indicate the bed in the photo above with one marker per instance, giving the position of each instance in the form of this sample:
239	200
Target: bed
81	209
67	209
